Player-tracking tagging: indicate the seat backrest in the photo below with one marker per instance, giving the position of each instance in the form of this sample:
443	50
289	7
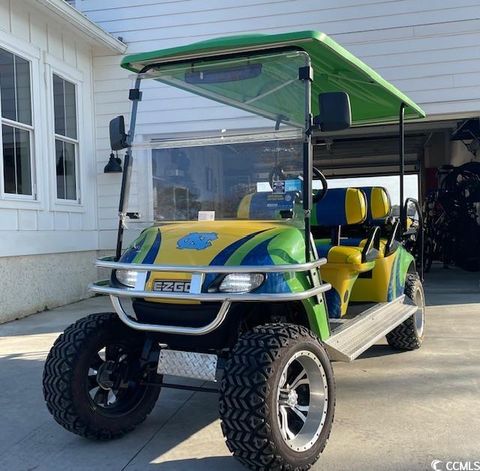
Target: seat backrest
340	207
378	203
379	208
266	205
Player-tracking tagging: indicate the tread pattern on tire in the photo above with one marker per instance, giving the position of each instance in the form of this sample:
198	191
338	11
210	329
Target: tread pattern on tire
58	376
244	388
404	336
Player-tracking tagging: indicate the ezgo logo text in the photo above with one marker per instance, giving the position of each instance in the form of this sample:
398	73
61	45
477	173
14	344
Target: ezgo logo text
438	465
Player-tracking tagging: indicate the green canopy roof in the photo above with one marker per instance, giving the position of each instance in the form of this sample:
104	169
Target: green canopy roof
373	99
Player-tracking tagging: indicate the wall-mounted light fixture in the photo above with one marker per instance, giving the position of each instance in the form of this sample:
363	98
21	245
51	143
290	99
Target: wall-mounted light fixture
114	165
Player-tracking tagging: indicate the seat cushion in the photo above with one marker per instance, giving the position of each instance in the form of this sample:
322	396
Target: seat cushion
356	242
344	254
339	253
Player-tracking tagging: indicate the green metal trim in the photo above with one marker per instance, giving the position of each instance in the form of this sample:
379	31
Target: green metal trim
318	317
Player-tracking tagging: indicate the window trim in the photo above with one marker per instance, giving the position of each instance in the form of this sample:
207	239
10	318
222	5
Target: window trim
31	128
69	140
33	54
55	67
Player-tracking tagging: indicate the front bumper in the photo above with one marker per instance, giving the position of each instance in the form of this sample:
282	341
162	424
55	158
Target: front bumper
198	274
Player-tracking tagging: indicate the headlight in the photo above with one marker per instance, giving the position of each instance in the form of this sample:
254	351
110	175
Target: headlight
127	277
241	282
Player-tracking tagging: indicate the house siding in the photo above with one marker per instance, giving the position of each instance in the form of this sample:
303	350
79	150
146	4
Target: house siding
47	247
46	225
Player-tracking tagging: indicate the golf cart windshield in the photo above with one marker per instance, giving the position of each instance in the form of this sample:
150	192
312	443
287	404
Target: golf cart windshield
226	143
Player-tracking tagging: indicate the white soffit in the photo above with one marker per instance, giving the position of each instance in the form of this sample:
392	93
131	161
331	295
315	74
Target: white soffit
89	30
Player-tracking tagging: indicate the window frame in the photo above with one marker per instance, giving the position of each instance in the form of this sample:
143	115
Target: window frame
74	76
21	201
68	140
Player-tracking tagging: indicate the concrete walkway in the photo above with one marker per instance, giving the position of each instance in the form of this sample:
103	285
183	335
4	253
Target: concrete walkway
395	411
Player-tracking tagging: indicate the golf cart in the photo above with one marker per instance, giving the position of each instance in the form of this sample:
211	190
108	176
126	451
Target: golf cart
249	274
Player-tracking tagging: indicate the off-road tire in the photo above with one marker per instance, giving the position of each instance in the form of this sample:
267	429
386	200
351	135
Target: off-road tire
247	395
406	336
65	373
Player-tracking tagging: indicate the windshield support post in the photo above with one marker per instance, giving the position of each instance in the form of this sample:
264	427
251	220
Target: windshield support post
401	131
306	75
135	96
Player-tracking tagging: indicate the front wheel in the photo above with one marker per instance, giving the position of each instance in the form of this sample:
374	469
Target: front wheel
93	383
277	398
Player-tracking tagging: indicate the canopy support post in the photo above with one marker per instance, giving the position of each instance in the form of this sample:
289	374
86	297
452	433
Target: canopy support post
401	131
135	96
306	75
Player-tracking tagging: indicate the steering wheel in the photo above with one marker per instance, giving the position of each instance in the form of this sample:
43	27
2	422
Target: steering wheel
276	174
323	191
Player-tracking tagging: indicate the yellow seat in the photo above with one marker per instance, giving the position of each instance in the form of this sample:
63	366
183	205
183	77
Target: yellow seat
379	205
381	249
341	206
343	254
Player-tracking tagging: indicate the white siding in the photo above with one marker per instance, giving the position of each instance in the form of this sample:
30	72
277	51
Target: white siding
429	49
45	225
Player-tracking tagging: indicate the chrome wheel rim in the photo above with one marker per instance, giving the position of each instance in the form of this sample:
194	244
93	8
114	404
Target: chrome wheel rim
111	380
302	401
419	315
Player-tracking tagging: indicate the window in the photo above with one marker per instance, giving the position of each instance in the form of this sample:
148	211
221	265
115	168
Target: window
66	139
16	122
209	177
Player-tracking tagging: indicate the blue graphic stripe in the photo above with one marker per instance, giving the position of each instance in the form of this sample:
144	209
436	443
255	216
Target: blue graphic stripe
129	254
221	258
334	303
392	284
133	250
153	251
259	255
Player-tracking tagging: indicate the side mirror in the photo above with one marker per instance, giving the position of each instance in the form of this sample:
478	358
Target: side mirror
118	137
335	112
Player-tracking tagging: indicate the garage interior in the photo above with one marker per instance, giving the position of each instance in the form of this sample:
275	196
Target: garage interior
432	150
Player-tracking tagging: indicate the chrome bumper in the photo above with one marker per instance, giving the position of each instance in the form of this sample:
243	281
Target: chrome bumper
195	294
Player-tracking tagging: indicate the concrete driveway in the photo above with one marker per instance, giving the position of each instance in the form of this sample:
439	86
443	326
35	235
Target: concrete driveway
395	411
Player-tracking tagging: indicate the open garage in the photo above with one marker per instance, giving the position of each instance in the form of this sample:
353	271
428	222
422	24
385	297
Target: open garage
441	171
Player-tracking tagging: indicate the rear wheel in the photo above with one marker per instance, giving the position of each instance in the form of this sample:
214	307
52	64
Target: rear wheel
92	381
277	398
409	335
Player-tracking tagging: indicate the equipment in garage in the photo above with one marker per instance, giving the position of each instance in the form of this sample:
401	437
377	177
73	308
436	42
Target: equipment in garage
451	207
452	219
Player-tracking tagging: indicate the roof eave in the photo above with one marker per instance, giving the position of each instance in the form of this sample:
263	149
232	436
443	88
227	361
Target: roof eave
91	31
